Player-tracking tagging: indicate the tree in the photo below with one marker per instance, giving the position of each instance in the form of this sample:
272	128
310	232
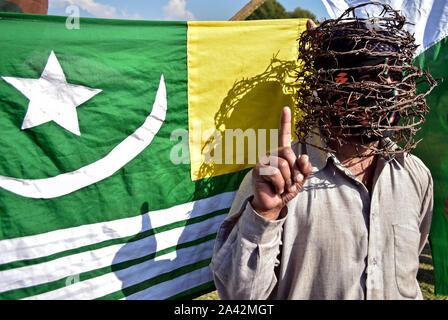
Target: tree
301	13
6	6
272	9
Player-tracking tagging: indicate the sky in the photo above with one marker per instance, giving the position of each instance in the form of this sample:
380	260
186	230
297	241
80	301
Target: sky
169	9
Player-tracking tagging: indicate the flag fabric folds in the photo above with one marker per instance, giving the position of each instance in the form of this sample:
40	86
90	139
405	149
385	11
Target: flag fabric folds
104	192
430	28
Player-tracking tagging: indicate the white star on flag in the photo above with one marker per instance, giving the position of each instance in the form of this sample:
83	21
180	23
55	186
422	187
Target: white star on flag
52	98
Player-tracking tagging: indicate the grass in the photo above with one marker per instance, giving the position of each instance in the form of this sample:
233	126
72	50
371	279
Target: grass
209	296
425	277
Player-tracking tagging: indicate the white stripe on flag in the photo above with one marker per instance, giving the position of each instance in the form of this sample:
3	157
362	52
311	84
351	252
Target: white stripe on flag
117	280
46	244
91	260
170	288
429	17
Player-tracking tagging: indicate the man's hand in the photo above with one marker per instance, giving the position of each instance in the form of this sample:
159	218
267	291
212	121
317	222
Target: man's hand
310	25
277	179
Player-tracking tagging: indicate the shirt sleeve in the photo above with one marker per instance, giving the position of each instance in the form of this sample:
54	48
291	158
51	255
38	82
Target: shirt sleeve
246	250
426	213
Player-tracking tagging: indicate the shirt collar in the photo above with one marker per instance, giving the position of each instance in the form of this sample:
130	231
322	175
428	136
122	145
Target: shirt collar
392	146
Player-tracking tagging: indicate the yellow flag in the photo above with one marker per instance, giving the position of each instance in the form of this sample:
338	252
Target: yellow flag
240	75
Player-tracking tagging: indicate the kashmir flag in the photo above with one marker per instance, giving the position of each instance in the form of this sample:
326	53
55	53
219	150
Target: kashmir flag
107	188
430	28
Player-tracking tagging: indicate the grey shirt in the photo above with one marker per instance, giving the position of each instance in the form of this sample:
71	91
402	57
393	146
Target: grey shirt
336	242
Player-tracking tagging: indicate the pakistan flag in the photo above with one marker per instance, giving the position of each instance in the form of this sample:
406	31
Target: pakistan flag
106	191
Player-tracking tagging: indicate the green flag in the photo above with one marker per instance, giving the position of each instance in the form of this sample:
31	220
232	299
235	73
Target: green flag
91	205
99	198
434	151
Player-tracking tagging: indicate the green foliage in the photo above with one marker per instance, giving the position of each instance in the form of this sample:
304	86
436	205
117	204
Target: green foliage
272	9
6	6
302	13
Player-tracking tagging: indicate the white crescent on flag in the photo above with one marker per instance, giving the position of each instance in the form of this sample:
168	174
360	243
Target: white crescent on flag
101	169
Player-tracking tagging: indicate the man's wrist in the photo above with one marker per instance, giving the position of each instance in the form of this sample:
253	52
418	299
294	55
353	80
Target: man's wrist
271	214
256	228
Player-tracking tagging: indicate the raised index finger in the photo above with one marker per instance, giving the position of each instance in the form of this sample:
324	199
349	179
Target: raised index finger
284	138
310	25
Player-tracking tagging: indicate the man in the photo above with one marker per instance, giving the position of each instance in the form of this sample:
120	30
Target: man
323	219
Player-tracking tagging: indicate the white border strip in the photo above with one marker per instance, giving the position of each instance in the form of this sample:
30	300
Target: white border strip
115	281
45	244
172	287
70	266
430	18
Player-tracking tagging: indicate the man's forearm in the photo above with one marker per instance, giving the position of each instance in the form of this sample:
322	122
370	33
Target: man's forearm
244	262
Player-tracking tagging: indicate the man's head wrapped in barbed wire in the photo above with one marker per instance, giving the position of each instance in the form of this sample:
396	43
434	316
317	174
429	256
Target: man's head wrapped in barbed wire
358	83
